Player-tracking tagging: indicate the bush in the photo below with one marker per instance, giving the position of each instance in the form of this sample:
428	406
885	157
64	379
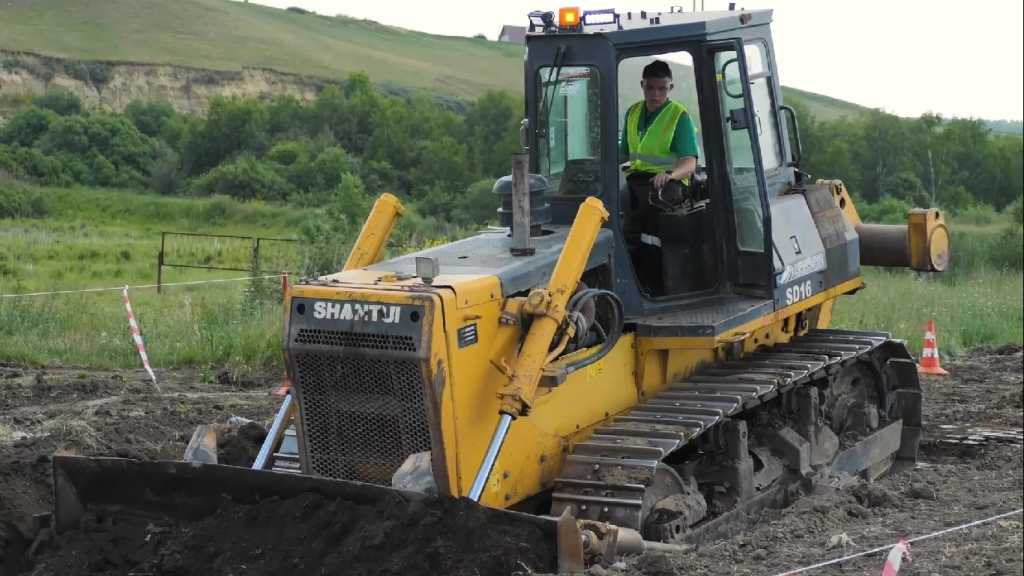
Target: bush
329	235
101	140
95	73
955	199
887	210
150	118
20	201
165	172
245	178
1016	210
60	101
232	126
478	205
31	164
289	153
978	215
27	126
1008	251
974	250
329	169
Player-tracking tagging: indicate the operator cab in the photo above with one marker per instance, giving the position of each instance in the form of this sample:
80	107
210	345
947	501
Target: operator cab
711	244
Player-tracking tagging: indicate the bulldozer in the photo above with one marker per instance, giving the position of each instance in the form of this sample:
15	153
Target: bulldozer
624	391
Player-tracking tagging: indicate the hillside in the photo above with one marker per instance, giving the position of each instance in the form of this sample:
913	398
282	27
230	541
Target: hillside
222	35
186	51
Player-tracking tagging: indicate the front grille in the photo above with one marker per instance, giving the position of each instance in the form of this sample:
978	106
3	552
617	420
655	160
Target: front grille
361	416
361	340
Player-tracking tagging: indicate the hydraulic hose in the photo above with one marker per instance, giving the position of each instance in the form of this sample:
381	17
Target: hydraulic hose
577	302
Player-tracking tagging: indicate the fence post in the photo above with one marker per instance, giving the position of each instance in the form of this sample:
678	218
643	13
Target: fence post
160	262
256	257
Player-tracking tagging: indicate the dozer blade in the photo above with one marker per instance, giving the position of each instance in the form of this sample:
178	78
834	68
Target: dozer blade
187	491
184	490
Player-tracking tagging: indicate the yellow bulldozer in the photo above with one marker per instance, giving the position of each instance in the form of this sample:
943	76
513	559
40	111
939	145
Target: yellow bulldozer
638	383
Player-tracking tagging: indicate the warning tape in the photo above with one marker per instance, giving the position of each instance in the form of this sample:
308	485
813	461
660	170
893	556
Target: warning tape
188	283
137	337
893	547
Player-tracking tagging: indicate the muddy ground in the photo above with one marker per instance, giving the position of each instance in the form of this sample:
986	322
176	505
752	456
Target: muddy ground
953	484
118	413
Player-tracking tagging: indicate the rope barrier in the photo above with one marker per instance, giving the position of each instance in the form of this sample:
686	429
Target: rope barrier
908	541
118	288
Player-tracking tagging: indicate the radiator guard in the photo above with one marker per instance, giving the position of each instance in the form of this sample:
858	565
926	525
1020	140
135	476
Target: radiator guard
361	377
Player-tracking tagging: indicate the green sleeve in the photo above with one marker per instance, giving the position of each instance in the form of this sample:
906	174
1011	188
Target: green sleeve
684	142
623	140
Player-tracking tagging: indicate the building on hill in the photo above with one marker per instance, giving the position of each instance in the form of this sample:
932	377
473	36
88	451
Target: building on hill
512	34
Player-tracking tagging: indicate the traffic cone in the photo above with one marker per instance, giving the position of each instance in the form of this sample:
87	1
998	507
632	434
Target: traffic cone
930	353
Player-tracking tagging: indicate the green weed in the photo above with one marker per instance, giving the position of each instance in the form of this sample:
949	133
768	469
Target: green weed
984	308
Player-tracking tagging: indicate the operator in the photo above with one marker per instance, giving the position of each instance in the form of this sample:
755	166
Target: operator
660	141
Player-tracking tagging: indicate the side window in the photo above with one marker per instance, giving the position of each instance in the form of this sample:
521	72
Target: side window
746	198
764	108
684	87
569	127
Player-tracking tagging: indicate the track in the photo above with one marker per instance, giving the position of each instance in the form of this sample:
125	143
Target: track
623	473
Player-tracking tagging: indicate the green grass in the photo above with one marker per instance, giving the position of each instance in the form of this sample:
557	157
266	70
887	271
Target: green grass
91	238
103	238
981	308
224	35
209	325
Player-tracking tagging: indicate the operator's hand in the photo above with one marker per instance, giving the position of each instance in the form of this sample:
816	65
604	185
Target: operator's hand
660	180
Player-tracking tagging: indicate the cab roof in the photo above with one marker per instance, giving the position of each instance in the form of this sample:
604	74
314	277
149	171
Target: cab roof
631	27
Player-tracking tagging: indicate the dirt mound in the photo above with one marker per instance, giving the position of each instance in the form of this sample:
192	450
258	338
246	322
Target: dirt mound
310	534
239	446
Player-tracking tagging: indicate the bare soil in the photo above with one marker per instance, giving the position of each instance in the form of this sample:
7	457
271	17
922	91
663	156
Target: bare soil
105	413
118	413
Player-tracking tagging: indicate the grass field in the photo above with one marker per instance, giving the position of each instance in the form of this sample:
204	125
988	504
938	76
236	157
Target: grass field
226	35
101	238
980	308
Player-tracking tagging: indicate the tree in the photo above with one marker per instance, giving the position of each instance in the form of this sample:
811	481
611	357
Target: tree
492	129
150	117
232	126
60	101
27	126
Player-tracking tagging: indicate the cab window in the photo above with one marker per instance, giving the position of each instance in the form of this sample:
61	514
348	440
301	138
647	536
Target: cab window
569	135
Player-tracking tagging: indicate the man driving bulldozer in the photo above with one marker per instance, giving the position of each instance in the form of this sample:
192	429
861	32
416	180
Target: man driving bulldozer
660	142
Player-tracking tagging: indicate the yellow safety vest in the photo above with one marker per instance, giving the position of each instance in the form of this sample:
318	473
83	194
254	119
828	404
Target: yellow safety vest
653	152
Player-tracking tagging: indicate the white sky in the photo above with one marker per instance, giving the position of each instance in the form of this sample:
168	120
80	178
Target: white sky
905	56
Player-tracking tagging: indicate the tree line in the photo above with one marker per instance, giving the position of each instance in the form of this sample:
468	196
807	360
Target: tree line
353	141
955	164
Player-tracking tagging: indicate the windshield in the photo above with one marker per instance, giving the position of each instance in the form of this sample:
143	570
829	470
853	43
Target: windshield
568	137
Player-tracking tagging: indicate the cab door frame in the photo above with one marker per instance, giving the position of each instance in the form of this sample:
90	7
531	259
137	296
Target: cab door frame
751	272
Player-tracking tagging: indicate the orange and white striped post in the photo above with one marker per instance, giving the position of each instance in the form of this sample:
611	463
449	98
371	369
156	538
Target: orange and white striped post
895	558
929	363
